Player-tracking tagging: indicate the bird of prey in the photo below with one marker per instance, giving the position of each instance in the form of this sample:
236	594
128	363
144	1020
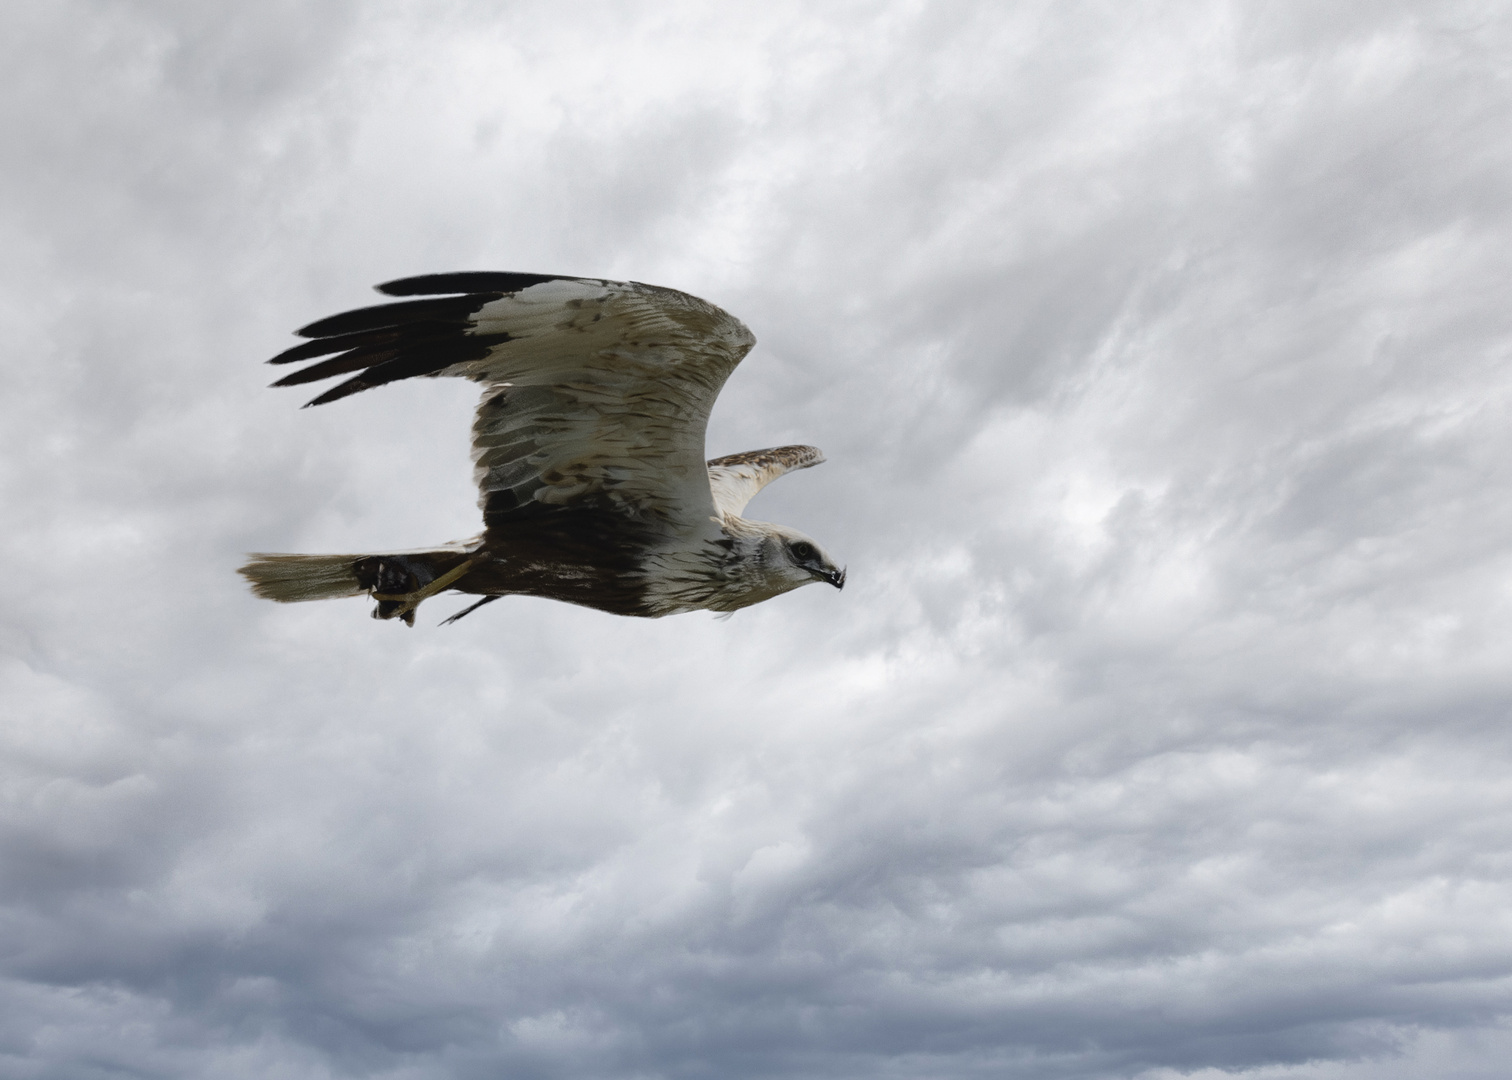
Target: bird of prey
588	450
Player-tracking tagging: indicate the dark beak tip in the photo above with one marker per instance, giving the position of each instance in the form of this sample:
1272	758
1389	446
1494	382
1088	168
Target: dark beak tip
838	580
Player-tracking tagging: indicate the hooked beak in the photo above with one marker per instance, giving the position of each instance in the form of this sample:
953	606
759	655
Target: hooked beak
835	578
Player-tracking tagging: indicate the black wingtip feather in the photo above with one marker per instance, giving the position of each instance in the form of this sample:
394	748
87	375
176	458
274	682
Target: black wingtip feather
404	339
426	356
453	309
337	365
339	391
466	281
308	350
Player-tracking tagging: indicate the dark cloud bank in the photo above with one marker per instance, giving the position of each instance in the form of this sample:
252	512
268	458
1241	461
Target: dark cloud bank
1161	355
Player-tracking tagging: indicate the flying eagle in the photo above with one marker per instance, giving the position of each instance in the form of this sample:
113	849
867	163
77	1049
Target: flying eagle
588	450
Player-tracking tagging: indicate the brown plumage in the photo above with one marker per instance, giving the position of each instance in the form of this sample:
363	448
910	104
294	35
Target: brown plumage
587	447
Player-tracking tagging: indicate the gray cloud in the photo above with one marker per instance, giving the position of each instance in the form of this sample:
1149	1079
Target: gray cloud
1160	353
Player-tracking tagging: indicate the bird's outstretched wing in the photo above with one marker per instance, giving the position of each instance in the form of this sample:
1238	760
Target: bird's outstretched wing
737	478
597	393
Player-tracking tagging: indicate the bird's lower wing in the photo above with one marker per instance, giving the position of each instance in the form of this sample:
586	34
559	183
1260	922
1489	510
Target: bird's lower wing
736	479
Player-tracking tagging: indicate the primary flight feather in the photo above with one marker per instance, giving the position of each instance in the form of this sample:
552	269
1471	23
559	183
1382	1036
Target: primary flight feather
587	445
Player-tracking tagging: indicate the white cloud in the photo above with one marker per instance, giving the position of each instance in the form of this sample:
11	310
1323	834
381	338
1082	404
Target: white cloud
1160	354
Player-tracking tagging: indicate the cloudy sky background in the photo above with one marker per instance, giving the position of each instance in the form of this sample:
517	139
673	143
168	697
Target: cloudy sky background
1160	352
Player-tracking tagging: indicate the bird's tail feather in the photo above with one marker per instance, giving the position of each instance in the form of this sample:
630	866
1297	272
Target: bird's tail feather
398	581
290	578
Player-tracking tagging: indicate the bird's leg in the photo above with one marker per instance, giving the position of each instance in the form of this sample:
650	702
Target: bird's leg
408	602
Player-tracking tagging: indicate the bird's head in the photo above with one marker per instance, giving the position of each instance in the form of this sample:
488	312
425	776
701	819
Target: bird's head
791	559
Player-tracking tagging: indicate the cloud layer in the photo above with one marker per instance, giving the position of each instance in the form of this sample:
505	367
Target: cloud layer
1160	353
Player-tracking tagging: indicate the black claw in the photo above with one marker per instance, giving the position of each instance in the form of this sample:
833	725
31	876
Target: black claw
468	610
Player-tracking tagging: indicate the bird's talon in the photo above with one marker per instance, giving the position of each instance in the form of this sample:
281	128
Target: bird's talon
408	602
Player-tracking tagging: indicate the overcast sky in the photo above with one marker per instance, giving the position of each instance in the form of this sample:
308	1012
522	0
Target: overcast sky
1161	354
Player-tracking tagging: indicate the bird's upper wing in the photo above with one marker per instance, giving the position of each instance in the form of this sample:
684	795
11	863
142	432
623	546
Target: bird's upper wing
736	479
597	392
